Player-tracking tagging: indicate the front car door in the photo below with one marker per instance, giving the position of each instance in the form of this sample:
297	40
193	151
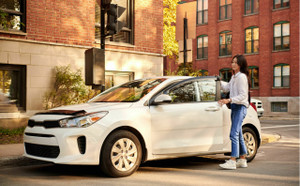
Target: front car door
191	123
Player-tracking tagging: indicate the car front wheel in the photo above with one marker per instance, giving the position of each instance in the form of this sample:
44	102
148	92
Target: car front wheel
251	142
121	154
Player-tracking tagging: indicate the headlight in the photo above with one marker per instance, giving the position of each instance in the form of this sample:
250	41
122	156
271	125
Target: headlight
82	121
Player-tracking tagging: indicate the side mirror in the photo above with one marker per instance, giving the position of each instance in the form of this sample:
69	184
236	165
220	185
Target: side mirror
163	98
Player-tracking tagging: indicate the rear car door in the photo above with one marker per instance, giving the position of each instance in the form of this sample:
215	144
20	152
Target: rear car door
191	123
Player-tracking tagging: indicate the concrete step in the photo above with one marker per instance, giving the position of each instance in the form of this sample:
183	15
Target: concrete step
8	108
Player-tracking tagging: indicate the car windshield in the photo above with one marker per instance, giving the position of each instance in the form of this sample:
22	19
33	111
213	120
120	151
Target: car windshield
129	92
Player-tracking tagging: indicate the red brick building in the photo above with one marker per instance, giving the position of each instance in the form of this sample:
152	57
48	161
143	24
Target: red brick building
267	33
44	34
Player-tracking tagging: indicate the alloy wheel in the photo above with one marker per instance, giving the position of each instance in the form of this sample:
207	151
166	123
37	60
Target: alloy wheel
250	143
124	154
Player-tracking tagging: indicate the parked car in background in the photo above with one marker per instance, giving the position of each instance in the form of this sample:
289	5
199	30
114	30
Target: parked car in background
142	120
259	106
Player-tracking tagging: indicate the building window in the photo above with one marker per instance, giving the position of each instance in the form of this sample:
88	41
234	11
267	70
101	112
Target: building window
202	47
225	9
13	84
281	3
225	43
12	15
281	35
126	34
279	106
251	6
226	74
282	75
202	11
251	40
254	76
114	78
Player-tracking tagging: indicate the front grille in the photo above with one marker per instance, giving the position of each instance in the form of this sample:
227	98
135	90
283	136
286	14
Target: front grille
39	135
46	124
45	151
81	144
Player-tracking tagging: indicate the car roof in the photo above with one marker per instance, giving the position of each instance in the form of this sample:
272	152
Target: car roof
178	77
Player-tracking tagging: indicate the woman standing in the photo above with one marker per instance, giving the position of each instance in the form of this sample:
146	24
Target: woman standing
238	87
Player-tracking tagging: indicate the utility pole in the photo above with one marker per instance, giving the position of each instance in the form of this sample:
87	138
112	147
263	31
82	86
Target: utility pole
185	31
184	44
102	22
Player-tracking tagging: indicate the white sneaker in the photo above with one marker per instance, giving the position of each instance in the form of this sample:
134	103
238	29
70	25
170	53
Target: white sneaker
230	164
241	163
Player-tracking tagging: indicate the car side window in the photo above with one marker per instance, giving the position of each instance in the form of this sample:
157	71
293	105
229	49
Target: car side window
184	93
207	89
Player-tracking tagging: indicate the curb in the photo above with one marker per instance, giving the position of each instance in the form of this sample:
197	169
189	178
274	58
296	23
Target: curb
18	161
279	118
269	138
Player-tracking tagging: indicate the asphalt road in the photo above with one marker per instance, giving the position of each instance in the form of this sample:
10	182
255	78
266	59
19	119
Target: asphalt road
276	163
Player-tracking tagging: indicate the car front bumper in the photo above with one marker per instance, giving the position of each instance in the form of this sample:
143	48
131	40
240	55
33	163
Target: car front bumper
260	113
64	145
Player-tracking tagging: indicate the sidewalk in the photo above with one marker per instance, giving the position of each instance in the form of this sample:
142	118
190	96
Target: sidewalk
11	150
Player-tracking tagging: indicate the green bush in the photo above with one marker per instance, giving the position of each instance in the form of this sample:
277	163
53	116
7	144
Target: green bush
69	88
187	71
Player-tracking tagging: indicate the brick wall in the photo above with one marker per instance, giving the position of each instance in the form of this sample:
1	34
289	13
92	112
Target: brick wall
73	22
69	21
148	28
266	58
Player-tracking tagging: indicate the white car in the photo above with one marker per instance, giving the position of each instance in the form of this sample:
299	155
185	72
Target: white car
259	106
142	120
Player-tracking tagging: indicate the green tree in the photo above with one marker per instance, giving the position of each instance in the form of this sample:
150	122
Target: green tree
69	88
189	71
170	44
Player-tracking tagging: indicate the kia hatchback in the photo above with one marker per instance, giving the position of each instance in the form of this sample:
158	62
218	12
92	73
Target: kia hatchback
142	120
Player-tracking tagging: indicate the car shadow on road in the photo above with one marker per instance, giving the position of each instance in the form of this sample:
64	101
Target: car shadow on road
42	169
183	162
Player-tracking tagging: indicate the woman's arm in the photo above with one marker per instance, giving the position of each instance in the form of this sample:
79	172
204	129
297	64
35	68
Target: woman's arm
225	86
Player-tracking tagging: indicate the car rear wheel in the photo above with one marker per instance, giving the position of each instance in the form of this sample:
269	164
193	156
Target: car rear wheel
251	142
121	154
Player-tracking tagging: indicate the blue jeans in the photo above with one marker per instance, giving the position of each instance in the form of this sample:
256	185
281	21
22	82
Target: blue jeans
238	147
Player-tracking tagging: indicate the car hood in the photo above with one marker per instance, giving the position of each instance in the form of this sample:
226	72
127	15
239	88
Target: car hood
72	111
95	107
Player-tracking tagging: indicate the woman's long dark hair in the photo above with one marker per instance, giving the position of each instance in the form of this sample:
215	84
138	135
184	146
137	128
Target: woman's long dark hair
242	62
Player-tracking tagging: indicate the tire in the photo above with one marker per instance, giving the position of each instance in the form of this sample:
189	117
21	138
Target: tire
251	142
121	154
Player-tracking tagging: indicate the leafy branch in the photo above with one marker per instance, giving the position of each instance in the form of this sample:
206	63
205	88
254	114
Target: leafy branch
187	71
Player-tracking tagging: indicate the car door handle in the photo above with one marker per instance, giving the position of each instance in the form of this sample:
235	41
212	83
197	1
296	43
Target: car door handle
212	108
